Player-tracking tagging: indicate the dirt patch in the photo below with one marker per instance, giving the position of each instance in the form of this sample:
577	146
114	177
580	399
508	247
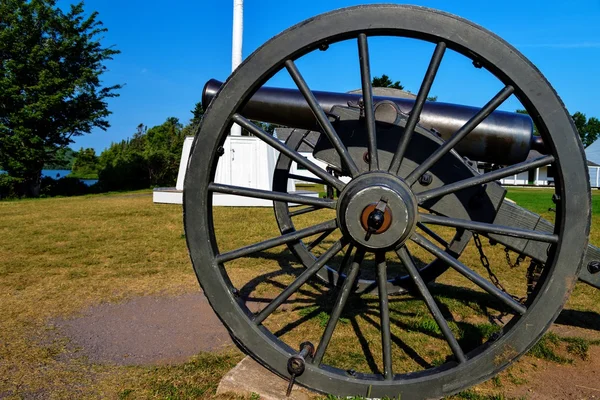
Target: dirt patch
146	330
546	380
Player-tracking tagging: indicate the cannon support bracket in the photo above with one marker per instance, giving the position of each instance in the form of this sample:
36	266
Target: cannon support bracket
510	214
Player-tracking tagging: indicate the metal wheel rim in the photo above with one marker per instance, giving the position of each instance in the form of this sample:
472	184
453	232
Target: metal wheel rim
472	41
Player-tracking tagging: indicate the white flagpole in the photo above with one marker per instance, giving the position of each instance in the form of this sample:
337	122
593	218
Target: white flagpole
236	47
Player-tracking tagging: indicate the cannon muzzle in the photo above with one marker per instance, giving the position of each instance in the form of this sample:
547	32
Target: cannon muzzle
502	138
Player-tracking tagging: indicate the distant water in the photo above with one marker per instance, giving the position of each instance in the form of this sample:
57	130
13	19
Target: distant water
61	173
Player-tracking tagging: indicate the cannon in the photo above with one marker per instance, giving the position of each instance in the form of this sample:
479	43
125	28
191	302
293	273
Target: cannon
408	200
503	137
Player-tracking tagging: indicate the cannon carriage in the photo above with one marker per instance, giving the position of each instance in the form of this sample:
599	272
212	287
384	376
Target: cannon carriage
410	188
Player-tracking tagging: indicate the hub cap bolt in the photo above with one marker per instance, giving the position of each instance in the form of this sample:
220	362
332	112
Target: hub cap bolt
594	267
376	218
366	157
426	179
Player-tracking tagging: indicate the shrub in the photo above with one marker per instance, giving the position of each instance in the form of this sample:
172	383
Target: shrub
63	187
9	187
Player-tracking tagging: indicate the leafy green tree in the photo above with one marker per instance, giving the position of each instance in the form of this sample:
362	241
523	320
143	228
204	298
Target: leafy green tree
589	129
163	152
86	164
51	63
197	113
63	159
150	158
385	81
122	166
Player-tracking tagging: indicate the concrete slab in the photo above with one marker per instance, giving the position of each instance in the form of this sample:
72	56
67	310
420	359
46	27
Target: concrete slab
250	377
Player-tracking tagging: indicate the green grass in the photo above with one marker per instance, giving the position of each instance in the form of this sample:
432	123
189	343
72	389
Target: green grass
62	255
195	379
82	176
540	200
471	395
545	349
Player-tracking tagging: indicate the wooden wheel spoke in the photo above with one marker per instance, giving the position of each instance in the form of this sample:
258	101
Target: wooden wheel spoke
303	210
326	227
367	92
384	310
307	179
408	262
469	274
321	117
271	195
301	280
319	239
432	234
484	178
293	154
460	134
488	228
345	290
342	268
415	113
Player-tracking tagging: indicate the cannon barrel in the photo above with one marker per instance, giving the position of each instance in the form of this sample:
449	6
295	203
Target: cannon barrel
502	138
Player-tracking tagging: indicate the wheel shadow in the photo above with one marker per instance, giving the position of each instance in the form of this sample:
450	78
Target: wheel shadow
579	319
317	298
468	297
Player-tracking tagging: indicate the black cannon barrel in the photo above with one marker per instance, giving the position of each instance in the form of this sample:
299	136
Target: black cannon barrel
503	137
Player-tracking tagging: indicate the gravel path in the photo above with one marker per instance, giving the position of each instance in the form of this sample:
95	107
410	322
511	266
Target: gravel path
146	330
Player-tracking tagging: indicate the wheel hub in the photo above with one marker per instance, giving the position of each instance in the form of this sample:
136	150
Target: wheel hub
377	210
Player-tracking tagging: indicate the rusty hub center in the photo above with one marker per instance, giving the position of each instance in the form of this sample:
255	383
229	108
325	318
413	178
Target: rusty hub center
369	211
377	211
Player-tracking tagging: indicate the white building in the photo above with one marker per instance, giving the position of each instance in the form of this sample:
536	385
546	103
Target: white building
592	153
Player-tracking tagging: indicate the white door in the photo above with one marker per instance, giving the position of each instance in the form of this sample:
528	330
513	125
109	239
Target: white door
243	157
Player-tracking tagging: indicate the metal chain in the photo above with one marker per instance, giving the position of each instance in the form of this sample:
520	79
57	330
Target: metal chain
533	275
486	263
517	263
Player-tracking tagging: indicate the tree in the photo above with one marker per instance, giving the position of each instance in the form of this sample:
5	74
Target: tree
197	113
163	152
85	164
385	81
150	158
63	159
589	129
50	88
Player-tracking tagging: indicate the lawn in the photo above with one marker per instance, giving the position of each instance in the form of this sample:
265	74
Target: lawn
60	256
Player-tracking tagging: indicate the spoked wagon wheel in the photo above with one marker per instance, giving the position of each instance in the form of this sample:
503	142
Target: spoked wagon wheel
398	282
377	211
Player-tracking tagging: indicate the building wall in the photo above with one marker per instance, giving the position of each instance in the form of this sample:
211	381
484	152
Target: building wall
594	176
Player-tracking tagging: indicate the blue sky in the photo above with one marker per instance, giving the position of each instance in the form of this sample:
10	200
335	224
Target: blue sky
170	49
